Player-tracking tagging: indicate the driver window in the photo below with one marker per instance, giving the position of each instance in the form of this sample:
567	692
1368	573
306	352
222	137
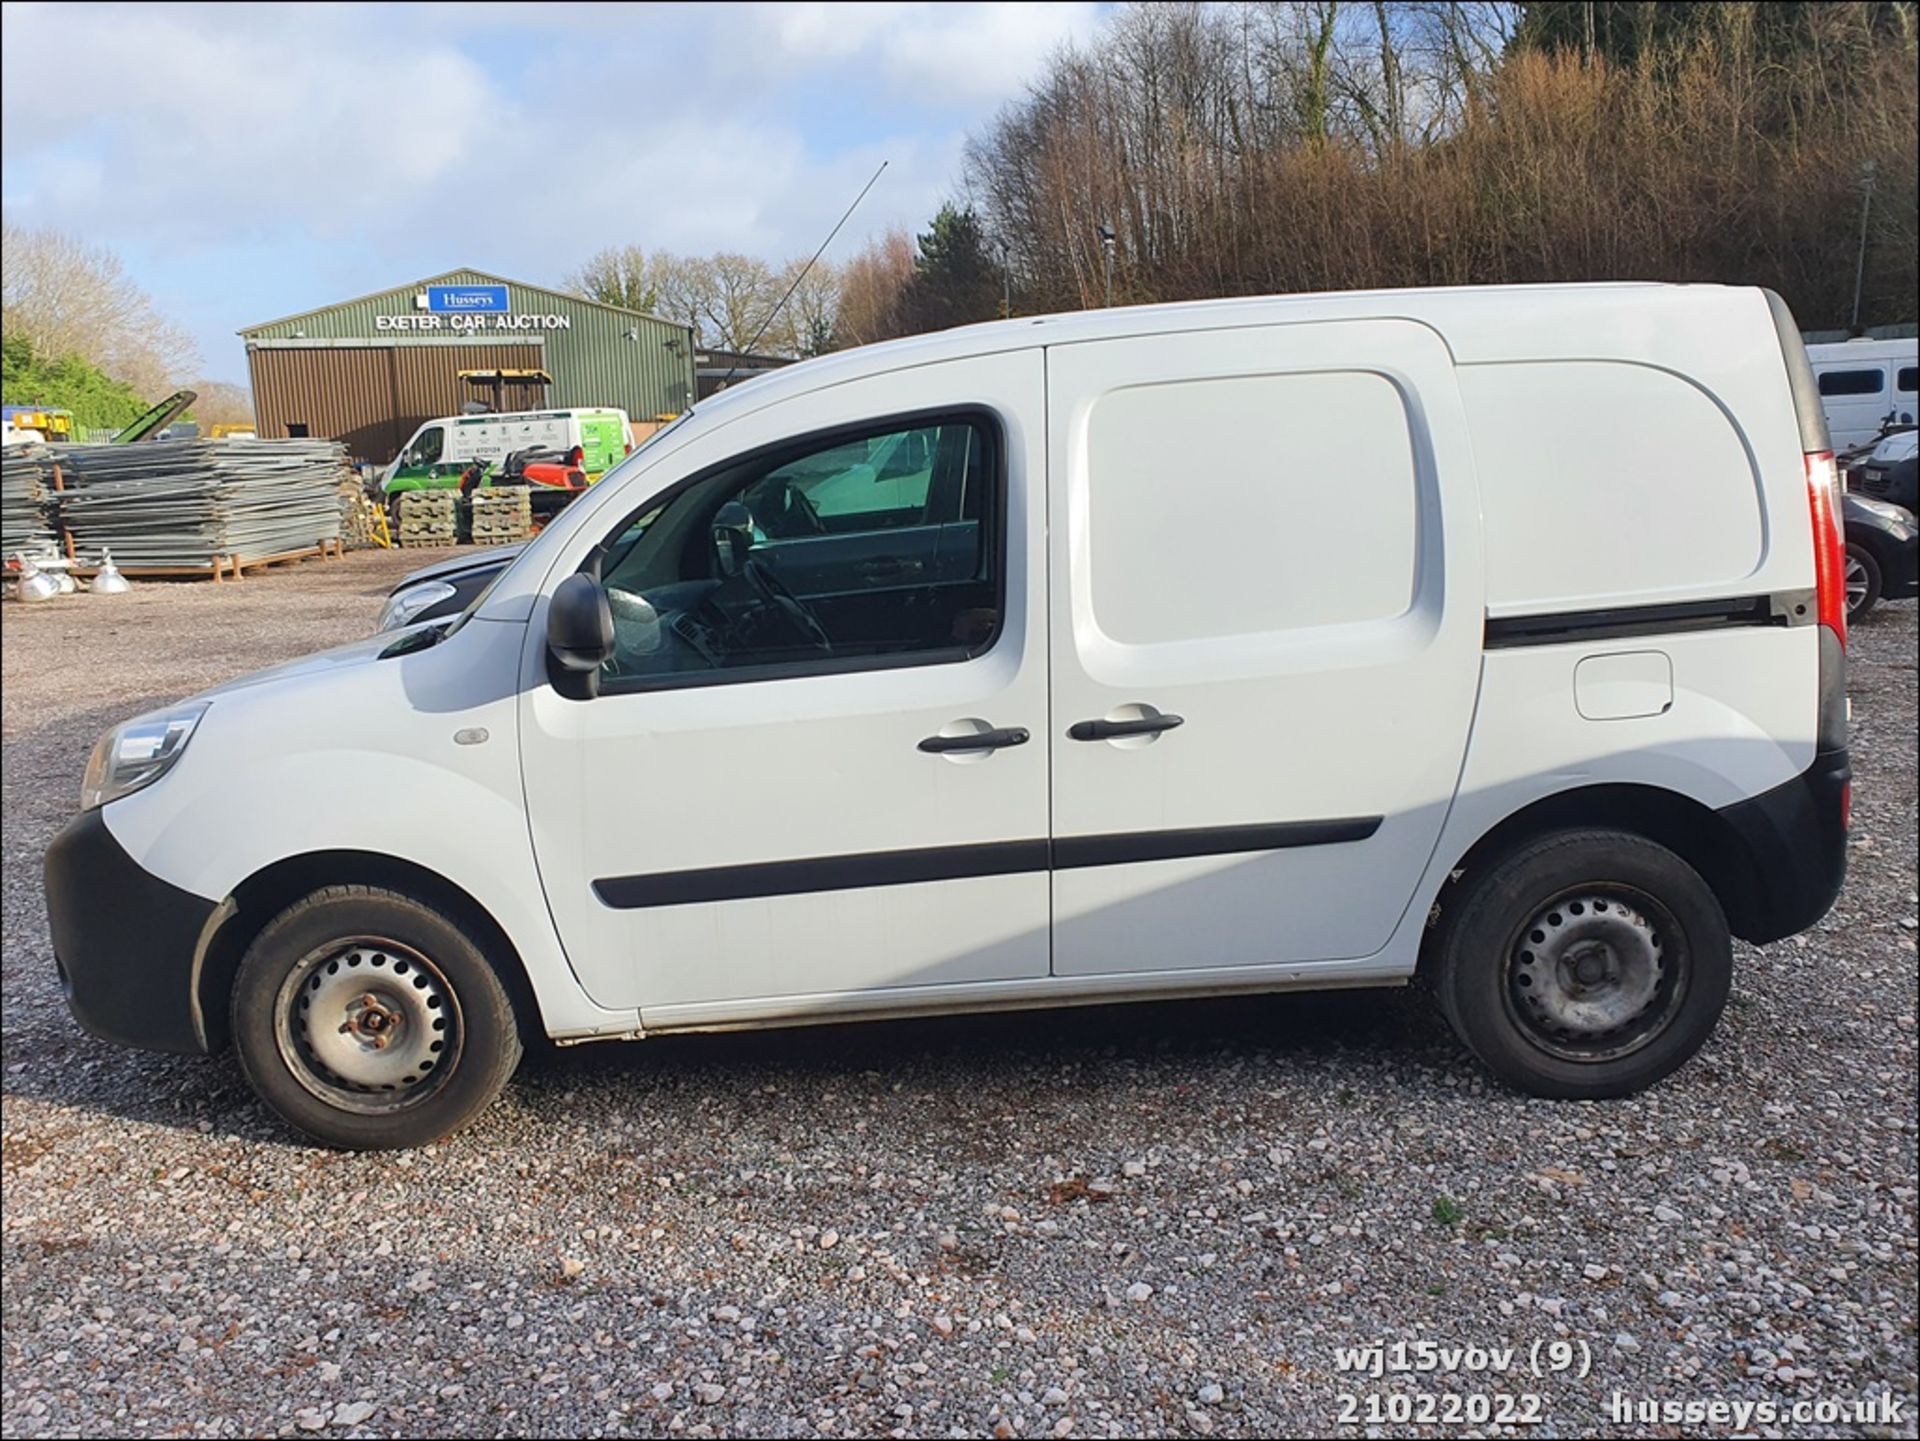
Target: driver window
835	555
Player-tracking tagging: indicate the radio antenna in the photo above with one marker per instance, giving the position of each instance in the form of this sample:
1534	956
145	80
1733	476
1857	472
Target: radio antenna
802	275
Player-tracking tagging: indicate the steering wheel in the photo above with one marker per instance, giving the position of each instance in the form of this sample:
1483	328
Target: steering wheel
774	592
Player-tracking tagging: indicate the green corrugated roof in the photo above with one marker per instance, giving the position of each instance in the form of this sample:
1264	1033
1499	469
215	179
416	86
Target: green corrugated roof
465	275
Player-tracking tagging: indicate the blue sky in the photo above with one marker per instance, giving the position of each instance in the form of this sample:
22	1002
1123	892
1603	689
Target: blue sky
247	162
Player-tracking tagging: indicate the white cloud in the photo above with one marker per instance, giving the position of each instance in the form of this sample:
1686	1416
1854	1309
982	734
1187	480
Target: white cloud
948	53
258	156
200	127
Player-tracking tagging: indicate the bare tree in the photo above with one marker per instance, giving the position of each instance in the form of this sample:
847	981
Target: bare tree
1277	146
682	287
806	325
71	298
740	297
220	402
872	287
622	275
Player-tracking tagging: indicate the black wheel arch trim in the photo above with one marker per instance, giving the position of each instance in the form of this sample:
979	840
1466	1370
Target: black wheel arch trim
1776	860
280	883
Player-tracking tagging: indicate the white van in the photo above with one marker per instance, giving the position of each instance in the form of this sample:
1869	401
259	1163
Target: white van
1863	383
1241	646
438	451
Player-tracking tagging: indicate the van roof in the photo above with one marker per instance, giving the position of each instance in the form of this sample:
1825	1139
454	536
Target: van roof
1510	312
551	412
1862	347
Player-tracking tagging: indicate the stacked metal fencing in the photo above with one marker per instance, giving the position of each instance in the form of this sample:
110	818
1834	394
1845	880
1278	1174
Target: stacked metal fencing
27	519
182	504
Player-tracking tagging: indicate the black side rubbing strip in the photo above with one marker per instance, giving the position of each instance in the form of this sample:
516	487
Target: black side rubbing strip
952	863
1071	853
822	873
1788	608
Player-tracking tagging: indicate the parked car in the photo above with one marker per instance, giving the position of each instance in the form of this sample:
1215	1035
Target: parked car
1866	385
445	588
1043	663
1883	553
1891	472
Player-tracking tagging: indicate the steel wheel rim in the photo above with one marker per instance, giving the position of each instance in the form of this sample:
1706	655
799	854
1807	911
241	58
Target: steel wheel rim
368	1025
1856	582
1597	973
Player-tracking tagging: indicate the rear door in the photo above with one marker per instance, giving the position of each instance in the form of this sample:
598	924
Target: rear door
1266	614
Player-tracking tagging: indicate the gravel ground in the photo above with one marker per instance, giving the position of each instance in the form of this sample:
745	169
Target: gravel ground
1131	1221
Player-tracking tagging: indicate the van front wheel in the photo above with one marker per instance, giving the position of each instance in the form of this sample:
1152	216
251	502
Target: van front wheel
372	1021
1586	964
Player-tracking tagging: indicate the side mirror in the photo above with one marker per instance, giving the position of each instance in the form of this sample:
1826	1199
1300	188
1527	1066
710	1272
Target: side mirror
579	636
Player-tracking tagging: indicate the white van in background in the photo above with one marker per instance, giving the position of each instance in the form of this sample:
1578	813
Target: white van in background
1862	383
435	454
1185	650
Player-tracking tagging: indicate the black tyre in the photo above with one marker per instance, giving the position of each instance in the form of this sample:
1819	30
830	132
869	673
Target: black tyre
371	1020
1584	964
1864	581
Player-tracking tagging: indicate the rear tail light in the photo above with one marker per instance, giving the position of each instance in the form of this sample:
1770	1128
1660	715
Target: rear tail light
629	449
1829	542
1846	806
577	455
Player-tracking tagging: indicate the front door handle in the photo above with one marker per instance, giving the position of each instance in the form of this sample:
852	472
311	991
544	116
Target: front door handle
979	741
1099	730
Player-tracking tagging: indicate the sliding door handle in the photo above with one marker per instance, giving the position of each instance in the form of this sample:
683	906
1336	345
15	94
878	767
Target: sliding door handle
978	741
1146	725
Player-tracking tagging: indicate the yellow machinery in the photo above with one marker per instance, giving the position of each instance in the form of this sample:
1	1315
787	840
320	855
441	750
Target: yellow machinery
48	423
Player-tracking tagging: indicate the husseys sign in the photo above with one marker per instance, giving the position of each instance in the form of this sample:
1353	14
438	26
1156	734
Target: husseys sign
468	307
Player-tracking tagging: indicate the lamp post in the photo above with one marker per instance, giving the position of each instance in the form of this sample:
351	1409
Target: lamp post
1006	281
1860	263
1106	245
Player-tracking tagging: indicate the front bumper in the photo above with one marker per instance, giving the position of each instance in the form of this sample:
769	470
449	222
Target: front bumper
1796	834
125	941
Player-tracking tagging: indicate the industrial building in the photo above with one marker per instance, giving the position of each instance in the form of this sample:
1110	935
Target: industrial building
369	371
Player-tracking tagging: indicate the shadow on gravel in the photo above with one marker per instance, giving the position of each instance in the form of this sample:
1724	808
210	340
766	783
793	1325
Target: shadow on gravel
1319	1040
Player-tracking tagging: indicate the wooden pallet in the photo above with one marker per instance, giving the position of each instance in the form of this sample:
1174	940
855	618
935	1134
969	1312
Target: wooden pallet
223	567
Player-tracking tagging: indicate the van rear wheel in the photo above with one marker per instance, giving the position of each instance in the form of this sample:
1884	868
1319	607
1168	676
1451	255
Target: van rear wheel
1585	964
370	1020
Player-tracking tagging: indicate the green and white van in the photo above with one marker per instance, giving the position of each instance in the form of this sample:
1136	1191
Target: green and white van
440	449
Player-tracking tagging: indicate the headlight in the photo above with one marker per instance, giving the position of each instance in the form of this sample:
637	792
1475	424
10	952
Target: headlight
138	753
404	605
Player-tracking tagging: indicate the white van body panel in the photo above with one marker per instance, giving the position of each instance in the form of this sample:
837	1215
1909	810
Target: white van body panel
1270	532
1288	521
821	766
1728	732
1854	412
358	754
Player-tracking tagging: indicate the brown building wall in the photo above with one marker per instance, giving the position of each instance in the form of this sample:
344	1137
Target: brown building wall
373	397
